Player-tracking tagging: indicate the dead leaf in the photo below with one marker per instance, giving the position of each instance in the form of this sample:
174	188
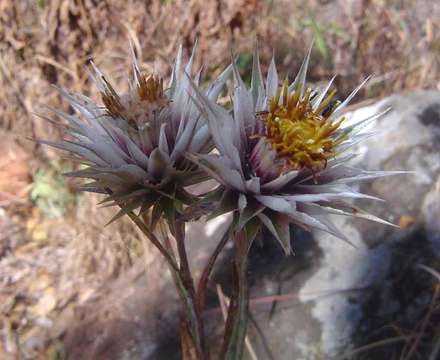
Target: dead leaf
406	221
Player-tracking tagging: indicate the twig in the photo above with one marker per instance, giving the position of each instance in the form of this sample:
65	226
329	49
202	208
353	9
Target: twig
18	93
57	65
166	239
377	344
184	264
203	282
423	326
262	337
154	240
224	303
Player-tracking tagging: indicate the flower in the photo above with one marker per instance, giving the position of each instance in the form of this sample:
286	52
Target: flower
134	145
282	155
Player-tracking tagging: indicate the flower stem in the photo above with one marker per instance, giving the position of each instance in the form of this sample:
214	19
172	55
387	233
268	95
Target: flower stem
188	294
204	278
183	280
141	225
236	324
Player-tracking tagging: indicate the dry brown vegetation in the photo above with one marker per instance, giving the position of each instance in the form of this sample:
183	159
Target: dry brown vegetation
53	249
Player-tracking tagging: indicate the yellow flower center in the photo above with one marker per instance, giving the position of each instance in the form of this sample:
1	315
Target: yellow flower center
302	136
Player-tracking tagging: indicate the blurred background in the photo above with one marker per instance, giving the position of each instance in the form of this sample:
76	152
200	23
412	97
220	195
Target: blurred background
60	267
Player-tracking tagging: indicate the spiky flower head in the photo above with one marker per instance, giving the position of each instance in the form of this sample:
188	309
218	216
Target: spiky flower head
134	144
283	155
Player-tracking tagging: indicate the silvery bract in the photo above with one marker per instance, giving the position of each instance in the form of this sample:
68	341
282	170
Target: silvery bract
134	145
282	155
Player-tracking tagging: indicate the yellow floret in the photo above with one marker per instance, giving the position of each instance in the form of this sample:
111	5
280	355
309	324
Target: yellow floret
304	137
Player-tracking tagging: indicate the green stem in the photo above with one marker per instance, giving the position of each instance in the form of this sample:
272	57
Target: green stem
155	241
182	279
188	294
236	324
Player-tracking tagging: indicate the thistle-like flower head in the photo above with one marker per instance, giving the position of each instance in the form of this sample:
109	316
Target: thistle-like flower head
134	144
282	155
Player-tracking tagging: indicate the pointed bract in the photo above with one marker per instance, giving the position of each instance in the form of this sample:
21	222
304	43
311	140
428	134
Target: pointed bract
135	144
283	153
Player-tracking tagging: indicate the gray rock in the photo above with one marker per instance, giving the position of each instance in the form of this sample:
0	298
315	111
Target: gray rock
348	296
